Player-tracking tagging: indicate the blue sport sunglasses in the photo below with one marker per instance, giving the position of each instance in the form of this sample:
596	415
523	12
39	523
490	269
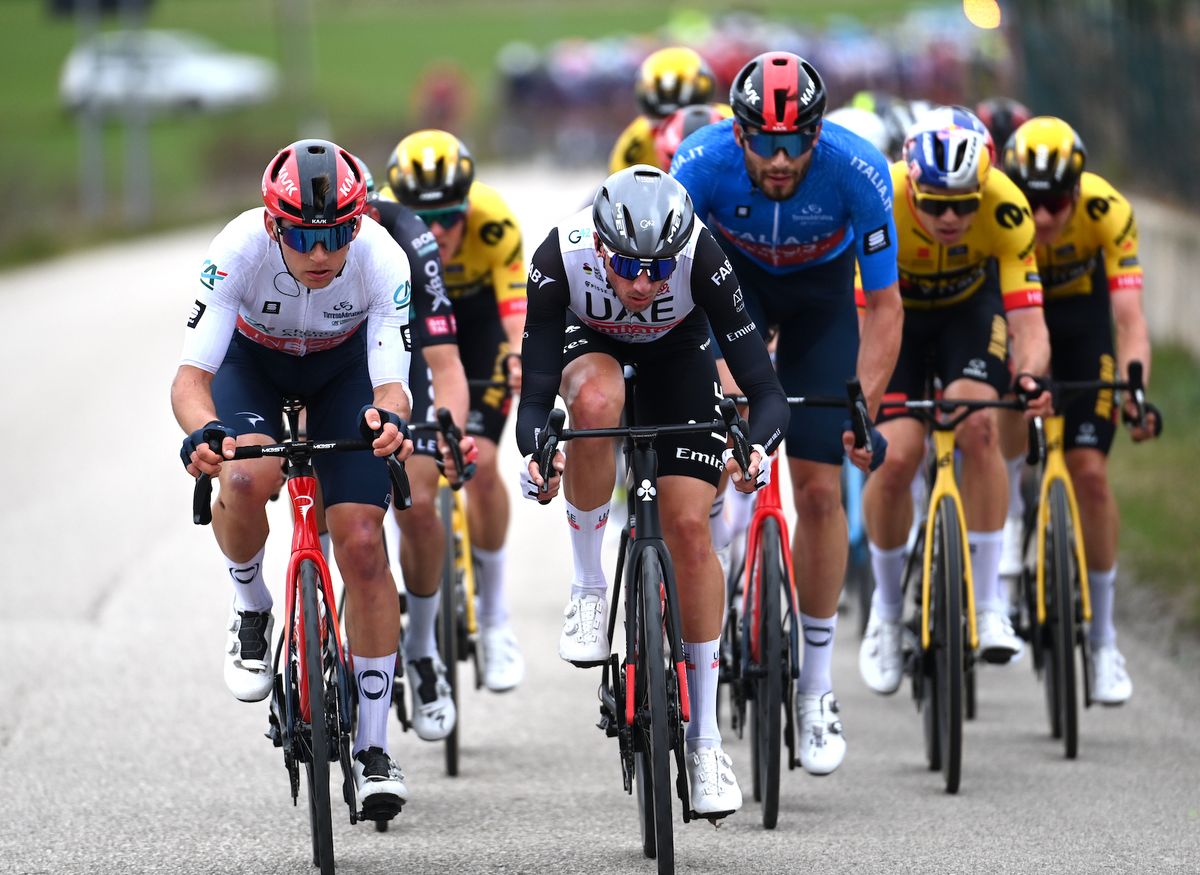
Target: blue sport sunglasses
766	145
628	267
303	239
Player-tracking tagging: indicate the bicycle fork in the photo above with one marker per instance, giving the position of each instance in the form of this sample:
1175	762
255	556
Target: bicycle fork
1055	468
944	485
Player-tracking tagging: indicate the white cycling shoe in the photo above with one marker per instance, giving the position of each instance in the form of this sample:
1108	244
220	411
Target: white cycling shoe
880	657
503	664
380	784
822	742
1110	682
998	643
433	714
714	788
248	672
584	638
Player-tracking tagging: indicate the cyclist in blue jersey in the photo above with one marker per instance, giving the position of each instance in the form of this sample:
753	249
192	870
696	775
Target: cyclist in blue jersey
793	202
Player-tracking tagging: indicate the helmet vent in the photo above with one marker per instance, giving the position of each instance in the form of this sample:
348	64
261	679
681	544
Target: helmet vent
320	189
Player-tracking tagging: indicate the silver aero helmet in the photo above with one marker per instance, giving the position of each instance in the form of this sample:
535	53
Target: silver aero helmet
644	213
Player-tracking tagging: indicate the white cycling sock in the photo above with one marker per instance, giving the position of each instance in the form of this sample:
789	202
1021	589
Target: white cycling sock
419	637
888	568
718	525
703	660
985	549
1016	501
490	584
587	537
374	677
739	507
1100	587
815	675
250	591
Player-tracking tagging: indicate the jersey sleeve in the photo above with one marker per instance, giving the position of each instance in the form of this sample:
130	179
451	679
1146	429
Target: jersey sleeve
716	290
542	348
389	289
224	280
508	272
1119	239
1016	254
432	311
870	198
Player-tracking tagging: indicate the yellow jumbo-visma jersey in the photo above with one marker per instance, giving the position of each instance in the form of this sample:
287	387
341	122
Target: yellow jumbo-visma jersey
933	275
634	146
491	258
1101	226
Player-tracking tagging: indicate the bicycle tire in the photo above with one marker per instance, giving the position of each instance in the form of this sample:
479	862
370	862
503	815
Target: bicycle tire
654	751
924	679
448	622
1060	616
316	766
769	679
948	622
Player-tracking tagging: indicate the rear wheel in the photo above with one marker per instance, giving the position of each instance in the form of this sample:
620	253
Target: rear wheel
1060	620
653	742
448	622
768	675
316	766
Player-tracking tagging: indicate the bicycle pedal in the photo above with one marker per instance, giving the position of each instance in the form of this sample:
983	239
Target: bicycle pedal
380	810
594	663
715	818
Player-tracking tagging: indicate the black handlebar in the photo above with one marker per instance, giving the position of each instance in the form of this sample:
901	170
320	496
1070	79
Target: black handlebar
295	452
549	438
738	430
859	420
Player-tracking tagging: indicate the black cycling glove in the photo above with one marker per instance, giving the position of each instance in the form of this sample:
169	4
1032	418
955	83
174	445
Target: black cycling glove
215	431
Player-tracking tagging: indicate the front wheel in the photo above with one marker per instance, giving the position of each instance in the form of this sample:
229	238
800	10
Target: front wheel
768	672
653	745
448	621
1061	696
947	620
316	766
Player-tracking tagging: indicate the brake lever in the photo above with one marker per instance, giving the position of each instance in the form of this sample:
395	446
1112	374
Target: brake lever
549	438
858	416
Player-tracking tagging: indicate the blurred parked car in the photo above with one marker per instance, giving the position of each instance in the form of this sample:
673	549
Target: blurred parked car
166	69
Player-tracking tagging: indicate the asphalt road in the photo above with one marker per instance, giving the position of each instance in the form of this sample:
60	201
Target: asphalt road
121	751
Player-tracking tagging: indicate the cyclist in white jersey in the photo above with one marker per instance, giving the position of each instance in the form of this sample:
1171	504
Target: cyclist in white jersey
281	311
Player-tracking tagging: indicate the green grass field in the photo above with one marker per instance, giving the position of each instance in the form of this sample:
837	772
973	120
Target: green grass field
369	54
1158	496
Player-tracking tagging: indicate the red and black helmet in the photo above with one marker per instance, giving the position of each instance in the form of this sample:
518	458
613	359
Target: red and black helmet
778	93
680	125
314	182
1002	116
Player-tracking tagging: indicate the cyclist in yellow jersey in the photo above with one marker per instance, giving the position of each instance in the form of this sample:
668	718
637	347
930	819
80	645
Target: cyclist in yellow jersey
1088	258
667	80
966	261
482	254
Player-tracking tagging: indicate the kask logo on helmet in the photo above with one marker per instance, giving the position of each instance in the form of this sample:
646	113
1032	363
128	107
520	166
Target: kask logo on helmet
286	183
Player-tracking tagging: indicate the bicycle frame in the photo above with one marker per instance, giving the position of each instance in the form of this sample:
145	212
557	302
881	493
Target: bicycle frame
944	484
769	506
1055	469
458	523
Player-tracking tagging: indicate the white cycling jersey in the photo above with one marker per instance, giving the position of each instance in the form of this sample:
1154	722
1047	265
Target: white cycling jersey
246	286
597	305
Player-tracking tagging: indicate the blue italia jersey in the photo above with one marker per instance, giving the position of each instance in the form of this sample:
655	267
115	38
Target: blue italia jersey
844	199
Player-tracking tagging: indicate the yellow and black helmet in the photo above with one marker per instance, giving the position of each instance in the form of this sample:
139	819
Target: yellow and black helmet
430	169
673	78
1045	156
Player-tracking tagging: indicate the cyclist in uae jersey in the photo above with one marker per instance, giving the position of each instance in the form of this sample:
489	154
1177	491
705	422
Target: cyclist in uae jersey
630	281
436	379
966	262
305	298
667	80
1087	255
480	245
793	202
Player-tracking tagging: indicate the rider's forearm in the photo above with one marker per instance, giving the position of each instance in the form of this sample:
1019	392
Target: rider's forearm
1133	337
879	345
1030	341
392	396
191	398
449	380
